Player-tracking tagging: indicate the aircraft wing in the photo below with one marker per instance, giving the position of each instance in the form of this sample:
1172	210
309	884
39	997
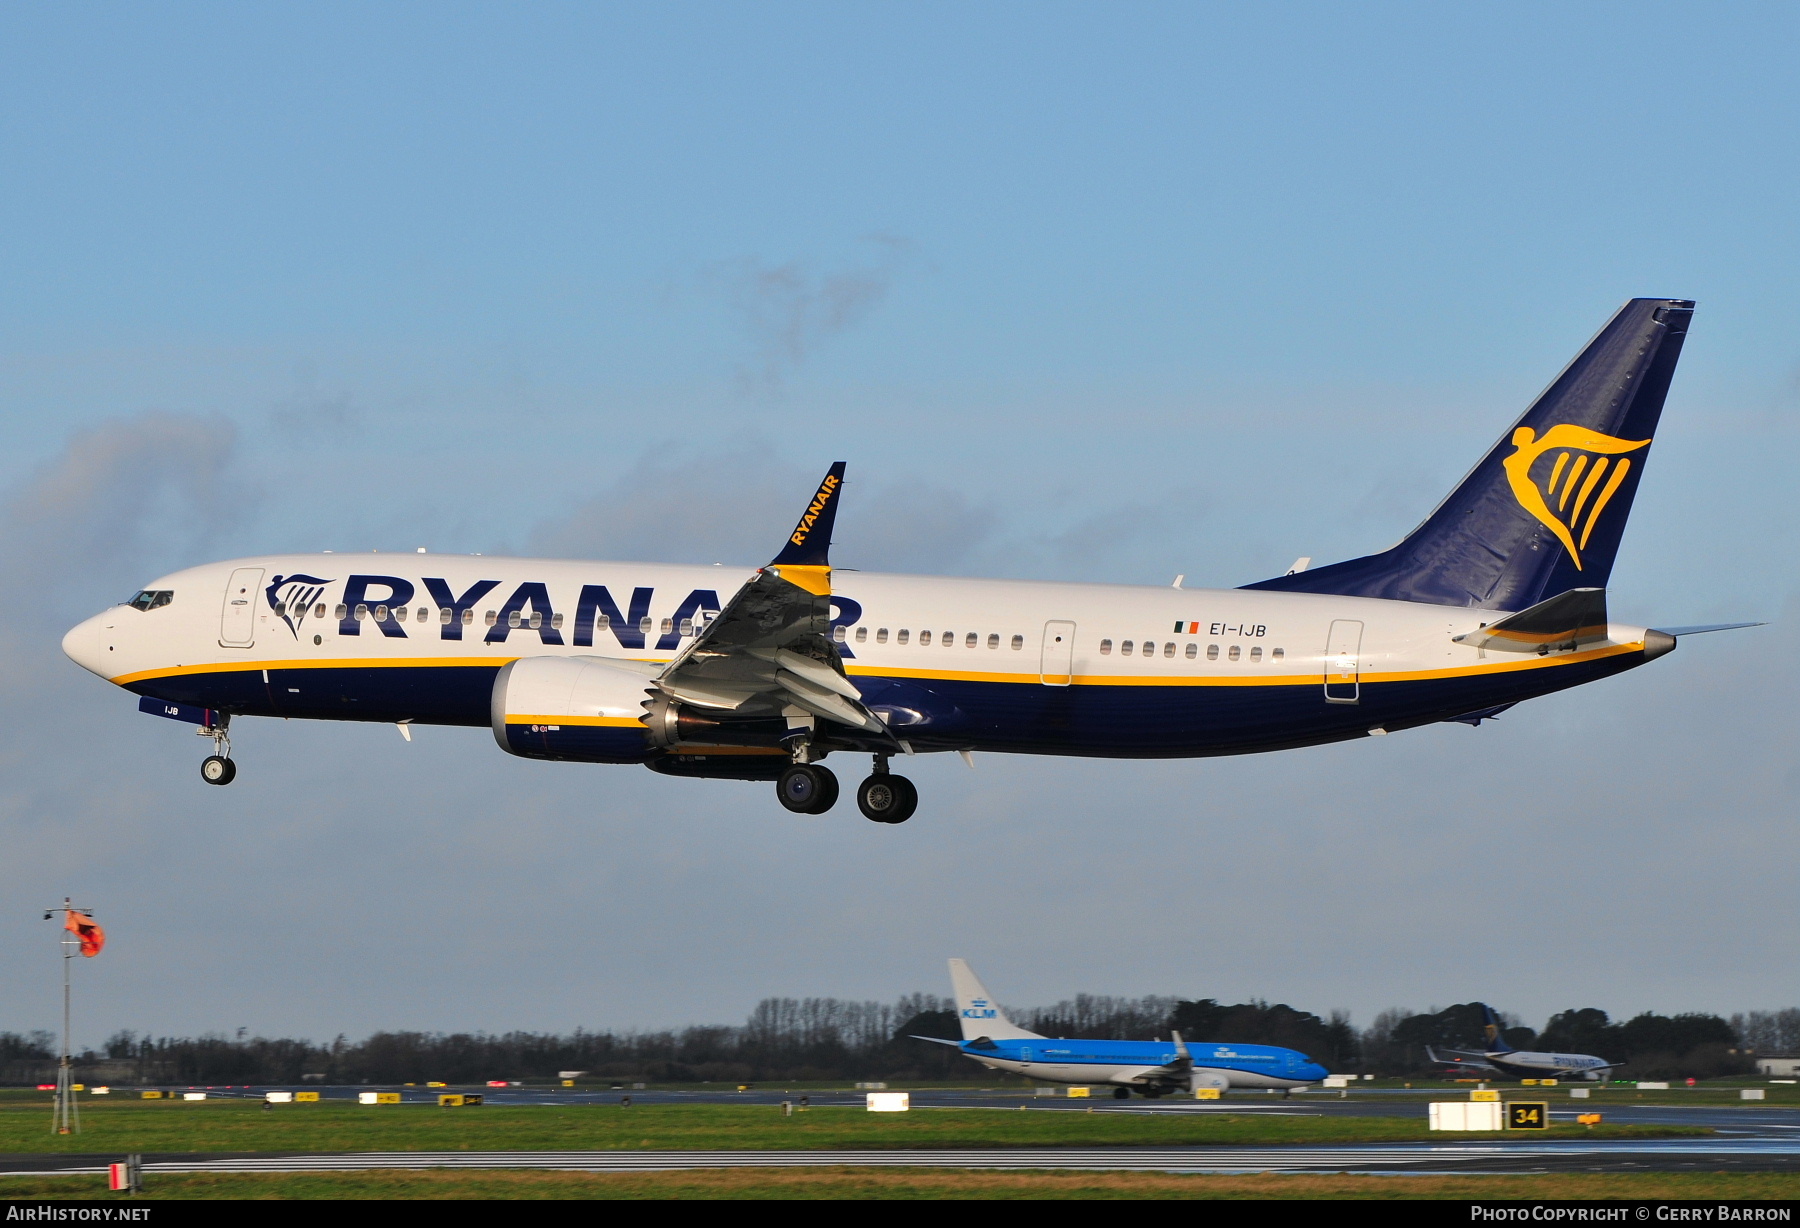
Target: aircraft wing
770	648
1459	1057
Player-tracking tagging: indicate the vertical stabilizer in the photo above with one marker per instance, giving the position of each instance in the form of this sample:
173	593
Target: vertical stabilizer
1493	1035
1543	511
978	1013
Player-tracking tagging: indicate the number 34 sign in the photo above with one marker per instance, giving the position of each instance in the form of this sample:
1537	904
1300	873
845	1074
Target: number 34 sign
1527	1115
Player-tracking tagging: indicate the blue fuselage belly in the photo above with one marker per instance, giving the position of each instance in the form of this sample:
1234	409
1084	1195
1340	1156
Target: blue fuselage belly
1023	718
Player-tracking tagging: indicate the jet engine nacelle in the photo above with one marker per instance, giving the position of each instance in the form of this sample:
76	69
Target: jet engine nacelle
1200	1077
583	709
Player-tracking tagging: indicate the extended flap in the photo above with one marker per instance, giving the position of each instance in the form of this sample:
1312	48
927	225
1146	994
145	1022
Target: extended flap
1568	620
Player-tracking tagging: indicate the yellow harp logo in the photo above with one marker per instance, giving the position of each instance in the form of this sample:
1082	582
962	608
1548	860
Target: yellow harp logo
1573	488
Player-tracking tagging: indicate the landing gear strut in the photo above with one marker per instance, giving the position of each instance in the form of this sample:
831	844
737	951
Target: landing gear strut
885	798
807	788
217	768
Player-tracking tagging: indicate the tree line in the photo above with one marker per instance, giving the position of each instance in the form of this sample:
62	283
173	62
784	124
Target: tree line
799	1040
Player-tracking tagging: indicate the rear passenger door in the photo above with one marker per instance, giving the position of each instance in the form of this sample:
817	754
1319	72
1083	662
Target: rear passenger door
1343	671
1057	666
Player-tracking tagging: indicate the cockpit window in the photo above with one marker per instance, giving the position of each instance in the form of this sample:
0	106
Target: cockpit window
152	599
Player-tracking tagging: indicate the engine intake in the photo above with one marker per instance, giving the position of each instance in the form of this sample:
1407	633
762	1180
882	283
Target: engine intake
579	709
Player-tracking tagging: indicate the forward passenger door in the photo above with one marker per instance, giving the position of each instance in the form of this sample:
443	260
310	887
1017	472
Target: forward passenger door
237	619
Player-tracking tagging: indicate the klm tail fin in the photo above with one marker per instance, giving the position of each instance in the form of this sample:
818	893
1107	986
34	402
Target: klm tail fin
1493	1033
1544	510
978	1013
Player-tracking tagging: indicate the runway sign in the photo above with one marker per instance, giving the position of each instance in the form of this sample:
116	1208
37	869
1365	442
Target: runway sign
1527	1115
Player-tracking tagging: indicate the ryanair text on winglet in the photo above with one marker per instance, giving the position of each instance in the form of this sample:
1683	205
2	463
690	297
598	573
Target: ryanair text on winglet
812	513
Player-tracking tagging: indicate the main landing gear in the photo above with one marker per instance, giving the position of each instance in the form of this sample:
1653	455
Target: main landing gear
808	788
217	768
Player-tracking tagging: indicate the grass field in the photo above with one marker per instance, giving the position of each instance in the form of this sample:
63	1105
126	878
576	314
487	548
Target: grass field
120	1125
854	1183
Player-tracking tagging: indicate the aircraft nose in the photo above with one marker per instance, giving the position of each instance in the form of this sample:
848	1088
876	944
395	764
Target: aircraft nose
84	645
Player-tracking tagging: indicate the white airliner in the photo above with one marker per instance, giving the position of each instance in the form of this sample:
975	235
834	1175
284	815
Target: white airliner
1499	596
1502	1058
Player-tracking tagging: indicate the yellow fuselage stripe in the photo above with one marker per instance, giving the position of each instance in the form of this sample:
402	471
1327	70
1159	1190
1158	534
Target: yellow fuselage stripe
1113	680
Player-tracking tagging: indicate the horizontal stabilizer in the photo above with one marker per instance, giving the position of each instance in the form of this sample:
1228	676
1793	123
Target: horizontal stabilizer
1703	628
939	1040
1568	620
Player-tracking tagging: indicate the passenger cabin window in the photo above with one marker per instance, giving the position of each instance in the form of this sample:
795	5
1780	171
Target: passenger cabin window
319	610
400	614
1106	648
491	617
971	640
924	638
1018	642
993	641
341	611
881	636
444	615
1149	648
948	639
1125	648
513	619
862	635
362	612
644	625
602	621
423	615
381	613
556	621
1169	649
537	620
1193	650
1235	652
1275	654
469	617
1256	653
668	625
1212	652
901	638
687	628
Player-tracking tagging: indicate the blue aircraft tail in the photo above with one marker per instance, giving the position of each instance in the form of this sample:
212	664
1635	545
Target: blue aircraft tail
1544	510
1494	1034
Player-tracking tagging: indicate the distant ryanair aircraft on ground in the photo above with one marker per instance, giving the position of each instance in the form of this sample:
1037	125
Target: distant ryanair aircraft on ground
1499	596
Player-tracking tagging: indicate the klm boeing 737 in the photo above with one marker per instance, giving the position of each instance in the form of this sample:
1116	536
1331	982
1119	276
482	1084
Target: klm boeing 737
1151	1068
1498	597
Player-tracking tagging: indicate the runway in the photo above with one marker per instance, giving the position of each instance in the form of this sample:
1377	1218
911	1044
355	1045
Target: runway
1749	1139
1613	1156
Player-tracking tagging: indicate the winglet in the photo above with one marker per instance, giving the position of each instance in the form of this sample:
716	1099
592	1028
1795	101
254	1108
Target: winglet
809	545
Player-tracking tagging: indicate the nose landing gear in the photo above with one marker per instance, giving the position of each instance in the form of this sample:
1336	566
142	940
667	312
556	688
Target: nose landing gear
217	768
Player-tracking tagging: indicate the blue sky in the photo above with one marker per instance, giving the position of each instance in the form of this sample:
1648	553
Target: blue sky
1080	292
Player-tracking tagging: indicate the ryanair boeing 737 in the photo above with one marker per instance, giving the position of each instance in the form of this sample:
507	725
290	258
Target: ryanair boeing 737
1498	597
